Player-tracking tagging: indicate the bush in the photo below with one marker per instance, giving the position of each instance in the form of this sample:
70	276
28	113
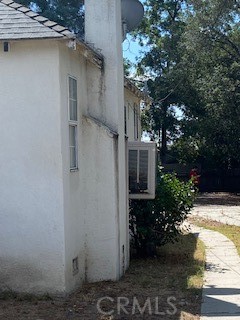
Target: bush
157	222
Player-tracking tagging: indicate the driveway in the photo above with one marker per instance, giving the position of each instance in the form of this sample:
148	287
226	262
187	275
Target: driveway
223	207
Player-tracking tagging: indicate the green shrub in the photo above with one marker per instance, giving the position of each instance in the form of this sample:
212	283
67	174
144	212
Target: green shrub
157	222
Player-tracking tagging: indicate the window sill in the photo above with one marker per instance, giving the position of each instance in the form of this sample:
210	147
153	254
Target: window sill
74	170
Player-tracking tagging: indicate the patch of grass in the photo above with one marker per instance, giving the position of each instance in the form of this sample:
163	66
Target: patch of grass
12	295
176	273
231	232
7	295
189	260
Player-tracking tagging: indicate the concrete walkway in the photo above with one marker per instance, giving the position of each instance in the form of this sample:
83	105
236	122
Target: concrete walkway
222	207
221	290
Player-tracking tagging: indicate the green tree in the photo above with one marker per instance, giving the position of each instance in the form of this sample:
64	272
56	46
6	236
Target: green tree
161	32
193	63
211	58
127	65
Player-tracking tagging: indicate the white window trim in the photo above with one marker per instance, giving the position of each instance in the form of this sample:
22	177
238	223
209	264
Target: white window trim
72	123
76	147
136	122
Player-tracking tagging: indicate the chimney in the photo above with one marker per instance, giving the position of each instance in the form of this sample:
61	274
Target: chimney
103	29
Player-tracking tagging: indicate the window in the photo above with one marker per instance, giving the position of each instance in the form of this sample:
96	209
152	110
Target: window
135	123
125	120
73	123
73	146
72	99
142	170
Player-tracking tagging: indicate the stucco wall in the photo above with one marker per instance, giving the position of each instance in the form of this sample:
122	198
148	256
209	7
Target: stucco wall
103	28
100	202
31	201
90	193
72	64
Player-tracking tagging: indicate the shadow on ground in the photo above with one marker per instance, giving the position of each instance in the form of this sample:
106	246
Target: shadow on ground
216	302
220	198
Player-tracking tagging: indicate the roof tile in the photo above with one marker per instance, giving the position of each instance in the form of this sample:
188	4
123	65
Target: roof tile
15	5
59	28
19	22
7	2
23	9
32	14
50	23
40	18
68	33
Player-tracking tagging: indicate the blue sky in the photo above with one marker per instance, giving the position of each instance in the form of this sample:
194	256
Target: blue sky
131	48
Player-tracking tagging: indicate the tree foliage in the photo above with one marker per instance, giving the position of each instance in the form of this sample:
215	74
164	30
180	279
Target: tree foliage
194	63
161	31
211	57
127	65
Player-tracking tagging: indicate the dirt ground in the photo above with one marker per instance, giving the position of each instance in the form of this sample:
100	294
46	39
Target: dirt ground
161	283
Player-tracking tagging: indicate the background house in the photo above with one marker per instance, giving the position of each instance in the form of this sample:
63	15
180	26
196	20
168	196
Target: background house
63	156
132	113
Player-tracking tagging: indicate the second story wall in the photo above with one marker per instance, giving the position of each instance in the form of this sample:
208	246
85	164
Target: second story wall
132	115
31	209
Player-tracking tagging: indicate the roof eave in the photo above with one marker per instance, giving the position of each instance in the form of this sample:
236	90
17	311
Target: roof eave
136	91
91	53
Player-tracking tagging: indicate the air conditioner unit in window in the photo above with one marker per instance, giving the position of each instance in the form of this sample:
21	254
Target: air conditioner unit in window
142	170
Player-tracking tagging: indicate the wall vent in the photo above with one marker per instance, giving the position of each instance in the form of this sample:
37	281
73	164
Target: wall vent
6	46
75	266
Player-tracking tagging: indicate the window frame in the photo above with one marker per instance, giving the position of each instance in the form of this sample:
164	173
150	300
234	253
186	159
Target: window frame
125	121
74	124
136	123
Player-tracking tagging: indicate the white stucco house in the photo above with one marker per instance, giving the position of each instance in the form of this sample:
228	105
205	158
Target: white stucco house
66	116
